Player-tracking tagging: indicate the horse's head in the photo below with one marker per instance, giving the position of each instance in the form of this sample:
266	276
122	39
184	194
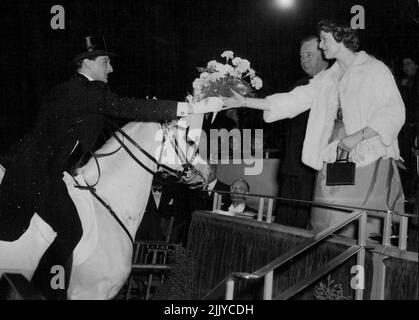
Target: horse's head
155	148
178	158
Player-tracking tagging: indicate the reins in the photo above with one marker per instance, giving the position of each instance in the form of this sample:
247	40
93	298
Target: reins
175	172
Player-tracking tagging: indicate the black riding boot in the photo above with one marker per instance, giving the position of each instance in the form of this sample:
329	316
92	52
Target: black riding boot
52	275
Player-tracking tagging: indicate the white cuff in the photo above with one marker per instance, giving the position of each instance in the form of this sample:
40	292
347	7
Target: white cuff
182	109
184	122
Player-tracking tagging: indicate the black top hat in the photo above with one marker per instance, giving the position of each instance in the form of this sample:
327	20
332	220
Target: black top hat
93	46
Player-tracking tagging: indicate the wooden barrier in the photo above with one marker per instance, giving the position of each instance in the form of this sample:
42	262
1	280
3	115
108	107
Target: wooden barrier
223	244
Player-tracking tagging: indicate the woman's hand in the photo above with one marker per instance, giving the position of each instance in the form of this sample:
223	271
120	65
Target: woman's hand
235	101
349	142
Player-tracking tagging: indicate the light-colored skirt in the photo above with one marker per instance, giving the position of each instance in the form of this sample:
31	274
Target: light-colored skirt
377	186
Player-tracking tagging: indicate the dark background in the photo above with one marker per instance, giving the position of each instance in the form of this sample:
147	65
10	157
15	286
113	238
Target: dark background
160	42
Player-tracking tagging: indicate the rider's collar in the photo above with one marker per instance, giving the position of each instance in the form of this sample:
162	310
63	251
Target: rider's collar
89	78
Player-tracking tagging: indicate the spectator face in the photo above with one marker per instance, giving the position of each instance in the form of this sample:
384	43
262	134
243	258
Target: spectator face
409	67
99	68
239	186
311	57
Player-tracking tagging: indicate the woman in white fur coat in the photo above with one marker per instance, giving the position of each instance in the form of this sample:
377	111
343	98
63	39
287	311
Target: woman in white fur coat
364	90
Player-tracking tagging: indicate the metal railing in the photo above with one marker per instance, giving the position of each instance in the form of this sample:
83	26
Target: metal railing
387	215
267	271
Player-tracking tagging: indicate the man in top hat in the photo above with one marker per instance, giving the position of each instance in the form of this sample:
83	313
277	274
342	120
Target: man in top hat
69	123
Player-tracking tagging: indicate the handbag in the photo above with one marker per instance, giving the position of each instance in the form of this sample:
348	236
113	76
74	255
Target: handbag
341	172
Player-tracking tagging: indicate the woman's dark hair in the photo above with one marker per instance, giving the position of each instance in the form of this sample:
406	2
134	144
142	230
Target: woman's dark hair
341	33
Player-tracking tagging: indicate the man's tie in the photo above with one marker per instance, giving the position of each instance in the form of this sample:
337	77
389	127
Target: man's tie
205	193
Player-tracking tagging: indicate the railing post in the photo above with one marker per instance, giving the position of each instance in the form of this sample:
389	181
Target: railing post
270	208
215	201
220	198
403	233
260	211
229	289
379	268
268	285
387	229
360	257
379	276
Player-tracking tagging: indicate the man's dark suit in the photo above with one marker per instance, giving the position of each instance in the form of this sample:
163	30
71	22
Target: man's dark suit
187	201
296	180
151	224
74	111
201	200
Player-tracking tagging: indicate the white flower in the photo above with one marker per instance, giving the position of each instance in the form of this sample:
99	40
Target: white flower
197	84
204	75
216	76
234	73
212	64
243	65
206	83
230	69
228	55
223	69
197	96
219	76
256	83
236	61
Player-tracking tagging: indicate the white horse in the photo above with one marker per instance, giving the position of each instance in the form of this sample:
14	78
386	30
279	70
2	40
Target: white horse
102	258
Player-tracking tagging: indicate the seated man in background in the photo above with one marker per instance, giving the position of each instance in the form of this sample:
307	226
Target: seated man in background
238	201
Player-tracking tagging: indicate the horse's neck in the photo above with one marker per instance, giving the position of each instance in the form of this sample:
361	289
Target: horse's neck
124	184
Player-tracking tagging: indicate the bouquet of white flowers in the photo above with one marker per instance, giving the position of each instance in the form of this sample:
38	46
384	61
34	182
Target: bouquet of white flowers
217	78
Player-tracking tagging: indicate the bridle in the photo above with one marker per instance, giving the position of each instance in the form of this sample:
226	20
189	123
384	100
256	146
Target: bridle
181	175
